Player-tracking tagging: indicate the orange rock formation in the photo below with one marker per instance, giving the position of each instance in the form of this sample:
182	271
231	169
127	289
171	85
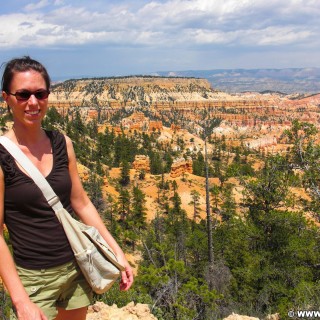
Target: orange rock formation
181	166
141	163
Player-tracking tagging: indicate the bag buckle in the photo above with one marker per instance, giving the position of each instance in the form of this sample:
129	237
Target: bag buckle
53	200
89	255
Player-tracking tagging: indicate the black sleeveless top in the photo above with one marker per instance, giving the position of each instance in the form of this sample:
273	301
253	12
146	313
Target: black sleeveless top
37	237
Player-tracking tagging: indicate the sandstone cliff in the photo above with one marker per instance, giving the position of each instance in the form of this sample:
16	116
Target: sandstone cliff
154	92
257	120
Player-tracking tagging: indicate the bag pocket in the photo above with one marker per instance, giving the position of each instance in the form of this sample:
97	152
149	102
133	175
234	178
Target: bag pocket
99	272
102	247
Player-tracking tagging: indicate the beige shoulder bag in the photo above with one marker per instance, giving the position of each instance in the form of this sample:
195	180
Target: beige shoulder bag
94	256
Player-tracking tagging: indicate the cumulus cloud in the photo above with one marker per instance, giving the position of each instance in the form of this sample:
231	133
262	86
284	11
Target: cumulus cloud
162	23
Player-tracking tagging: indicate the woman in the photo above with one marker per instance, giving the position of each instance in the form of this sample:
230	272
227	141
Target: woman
42	278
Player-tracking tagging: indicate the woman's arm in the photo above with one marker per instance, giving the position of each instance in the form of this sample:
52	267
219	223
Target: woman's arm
24	307
86	211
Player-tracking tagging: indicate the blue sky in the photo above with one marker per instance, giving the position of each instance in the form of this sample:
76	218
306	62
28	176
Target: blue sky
109	38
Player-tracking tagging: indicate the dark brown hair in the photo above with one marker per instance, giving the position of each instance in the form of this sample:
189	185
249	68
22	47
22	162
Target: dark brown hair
21	65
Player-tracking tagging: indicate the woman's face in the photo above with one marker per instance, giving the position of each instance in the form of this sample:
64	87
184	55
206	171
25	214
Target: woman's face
31	111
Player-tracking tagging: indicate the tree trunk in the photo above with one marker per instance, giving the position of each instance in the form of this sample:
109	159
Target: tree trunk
209	221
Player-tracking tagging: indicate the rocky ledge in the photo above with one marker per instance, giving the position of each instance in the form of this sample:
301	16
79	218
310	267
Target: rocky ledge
101	311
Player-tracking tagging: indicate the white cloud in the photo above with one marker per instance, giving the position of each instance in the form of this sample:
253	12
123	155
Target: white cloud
17	31
282	36
201	36
36	6
166	23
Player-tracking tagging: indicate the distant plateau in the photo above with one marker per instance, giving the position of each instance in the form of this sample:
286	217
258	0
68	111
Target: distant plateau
289	80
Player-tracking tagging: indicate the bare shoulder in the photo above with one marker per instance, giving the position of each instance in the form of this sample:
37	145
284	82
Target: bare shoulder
71	152
68	141
69	145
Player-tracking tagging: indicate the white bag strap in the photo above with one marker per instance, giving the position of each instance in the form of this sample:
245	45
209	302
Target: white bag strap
33	172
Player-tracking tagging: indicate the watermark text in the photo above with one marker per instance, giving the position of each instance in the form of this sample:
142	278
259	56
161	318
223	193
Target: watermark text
304	314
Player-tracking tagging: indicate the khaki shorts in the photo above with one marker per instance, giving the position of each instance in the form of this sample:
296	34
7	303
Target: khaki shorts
63	286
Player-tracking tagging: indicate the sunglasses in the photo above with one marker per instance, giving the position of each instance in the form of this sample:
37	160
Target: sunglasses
25	94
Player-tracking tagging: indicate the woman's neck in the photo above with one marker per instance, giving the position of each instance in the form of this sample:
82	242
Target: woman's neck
28	136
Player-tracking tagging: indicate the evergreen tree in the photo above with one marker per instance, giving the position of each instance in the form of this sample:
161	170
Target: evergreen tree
92	129
305	155
270	189
215	192
125	173
228	206
93	186
179	226
198	165
138	209
124	204
195	195
135	222
156	165
104	147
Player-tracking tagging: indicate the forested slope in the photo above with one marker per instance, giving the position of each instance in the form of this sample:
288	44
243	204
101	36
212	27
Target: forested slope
263	253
